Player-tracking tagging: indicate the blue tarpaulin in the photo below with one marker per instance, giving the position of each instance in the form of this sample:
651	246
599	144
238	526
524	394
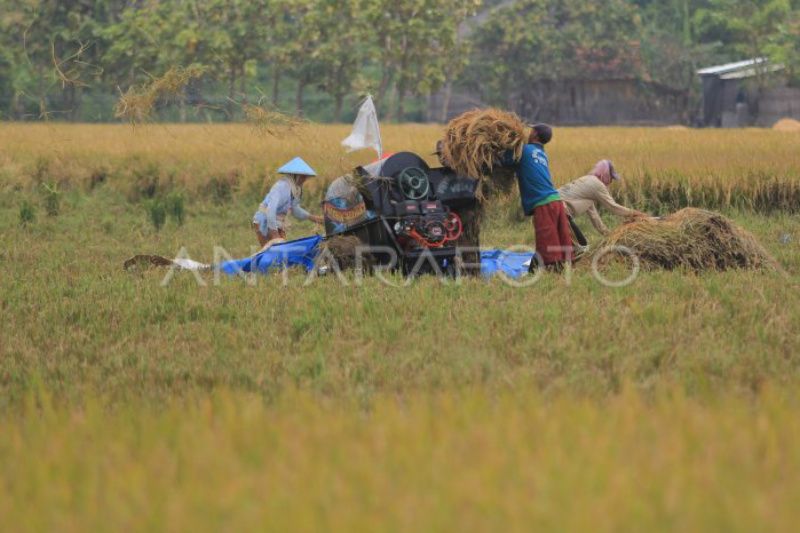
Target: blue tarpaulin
288	254
512	264
302	252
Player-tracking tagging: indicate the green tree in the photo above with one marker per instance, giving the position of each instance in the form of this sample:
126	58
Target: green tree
57	54
672	49
414	41
224	36
525	50
277	51
784	46
456	51
235	30
748	27
131	44
47	54
343	48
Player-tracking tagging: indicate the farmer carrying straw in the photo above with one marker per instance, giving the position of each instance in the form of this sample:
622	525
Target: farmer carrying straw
285	195
541	199
584	195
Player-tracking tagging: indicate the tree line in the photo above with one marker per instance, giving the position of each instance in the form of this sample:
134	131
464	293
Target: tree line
70	59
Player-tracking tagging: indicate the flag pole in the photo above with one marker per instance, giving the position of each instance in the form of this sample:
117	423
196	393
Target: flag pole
377	125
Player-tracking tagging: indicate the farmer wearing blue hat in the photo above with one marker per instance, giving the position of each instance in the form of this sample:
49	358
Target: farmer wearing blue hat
285	195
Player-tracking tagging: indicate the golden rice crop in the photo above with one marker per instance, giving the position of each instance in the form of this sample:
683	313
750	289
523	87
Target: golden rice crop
663	170
463	461
257	405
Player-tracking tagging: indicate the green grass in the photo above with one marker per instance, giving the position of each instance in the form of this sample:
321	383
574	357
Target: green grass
667	404
77	321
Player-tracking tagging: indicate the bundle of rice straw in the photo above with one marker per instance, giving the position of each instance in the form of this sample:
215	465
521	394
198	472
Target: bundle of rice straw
476	140
692	239
343	250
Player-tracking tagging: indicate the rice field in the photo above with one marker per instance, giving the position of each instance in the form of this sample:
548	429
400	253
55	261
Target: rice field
452	461
665	169
668	404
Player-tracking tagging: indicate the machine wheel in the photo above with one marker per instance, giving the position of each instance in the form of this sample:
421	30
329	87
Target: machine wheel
414	183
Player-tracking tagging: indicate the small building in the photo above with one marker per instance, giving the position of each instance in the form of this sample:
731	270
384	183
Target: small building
746	93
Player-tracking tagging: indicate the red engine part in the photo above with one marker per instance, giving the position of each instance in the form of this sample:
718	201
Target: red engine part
436	233
453	226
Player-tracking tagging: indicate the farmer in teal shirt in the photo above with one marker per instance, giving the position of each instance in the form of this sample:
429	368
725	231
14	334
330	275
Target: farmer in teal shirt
540	199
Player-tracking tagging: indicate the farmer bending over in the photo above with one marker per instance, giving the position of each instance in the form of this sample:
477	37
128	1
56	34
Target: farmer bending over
269	220
584	194
540	199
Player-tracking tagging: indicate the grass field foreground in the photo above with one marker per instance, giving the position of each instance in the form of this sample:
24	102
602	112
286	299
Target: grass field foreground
453	461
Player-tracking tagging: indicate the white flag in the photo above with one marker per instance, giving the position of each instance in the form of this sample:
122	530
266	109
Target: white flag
366	132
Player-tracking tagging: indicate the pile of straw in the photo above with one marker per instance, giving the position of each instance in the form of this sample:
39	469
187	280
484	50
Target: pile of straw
342	249
137	103
787	125
475	141
692	239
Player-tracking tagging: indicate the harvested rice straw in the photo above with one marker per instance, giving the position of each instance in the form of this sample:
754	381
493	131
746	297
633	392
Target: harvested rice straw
343	250
270	121
787	125
692	239
476	140
137	103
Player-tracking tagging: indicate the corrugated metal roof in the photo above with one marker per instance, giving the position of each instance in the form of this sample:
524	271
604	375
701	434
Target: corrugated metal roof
729	68
751	72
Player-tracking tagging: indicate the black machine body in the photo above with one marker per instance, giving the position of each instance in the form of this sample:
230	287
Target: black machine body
416	211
